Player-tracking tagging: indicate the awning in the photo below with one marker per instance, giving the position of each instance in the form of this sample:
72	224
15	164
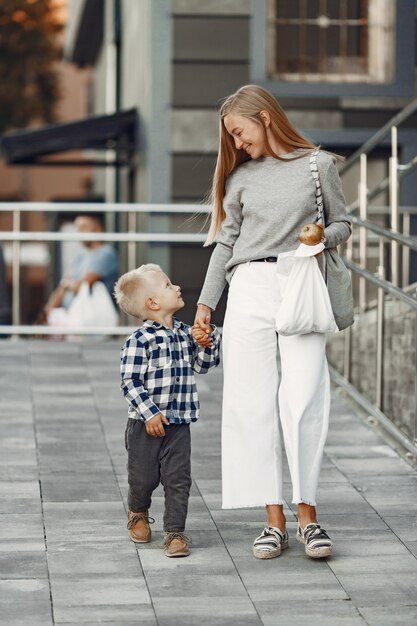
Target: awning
117	131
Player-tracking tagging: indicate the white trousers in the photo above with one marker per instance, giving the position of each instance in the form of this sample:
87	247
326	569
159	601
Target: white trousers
254	399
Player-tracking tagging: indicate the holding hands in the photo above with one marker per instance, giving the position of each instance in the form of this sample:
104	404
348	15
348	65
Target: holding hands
201	330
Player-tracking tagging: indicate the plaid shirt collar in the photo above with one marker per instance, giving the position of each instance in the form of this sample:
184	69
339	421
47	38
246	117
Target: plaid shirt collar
158	326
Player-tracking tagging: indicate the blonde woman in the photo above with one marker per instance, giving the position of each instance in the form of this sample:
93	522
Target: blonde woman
263	194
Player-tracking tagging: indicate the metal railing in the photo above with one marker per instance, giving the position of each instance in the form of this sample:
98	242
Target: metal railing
391	285
131	238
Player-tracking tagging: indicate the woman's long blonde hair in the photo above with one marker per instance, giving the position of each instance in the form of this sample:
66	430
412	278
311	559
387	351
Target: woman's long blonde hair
248	101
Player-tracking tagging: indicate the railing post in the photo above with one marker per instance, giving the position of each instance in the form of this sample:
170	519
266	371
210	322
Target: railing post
393	192
362	232
131	246
379	401
406	252
16	271
347	350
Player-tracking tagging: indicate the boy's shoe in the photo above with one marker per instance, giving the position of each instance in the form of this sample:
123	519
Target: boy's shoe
176	544
270	543
138	526
317	542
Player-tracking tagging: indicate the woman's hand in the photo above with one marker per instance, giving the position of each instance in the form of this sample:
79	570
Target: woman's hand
203	317
201	329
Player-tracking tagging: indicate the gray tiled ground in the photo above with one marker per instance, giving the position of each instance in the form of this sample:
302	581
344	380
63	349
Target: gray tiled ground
65	557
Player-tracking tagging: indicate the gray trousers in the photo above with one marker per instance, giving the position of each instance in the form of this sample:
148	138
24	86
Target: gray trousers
154	460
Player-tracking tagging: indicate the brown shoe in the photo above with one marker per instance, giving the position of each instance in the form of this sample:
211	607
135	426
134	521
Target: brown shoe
138	526
176	544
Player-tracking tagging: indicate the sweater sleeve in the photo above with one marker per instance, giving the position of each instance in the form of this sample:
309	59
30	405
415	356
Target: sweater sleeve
338	225
215	280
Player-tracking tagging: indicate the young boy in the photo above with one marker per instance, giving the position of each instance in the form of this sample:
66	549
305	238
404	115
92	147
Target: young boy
158	362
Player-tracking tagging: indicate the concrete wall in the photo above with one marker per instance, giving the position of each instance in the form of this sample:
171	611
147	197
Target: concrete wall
400	360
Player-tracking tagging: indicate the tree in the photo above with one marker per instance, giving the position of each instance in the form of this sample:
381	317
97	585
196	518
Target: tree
29	50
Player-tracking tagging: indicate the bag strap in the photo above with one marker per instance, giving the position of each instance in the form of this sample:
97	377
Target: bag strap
319	194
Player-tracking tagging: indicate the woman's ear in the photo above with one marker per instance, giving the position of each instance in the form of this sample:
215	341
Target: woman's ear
266	118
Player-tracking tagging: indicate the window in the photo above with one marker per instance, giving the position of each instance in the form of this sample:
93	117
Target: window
331	41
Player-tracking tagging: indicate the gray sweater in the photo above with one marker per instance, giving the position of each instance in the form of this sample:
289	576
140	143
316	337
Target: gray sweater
267	202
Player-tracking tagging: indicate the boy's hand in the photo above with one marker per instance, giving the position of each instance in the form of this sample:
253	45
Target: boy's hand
201	336
154	426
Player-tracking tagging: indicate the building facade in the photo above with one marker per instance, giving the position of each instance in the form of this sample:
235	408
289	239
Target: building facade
340	69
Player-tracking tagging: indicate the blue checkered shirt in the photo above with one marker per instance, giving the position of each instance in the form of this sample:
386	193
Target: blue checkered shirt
157	371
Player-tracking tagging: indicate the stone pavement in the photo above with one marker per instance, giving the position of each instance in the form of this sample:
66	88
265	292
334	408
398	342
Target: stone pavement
65	557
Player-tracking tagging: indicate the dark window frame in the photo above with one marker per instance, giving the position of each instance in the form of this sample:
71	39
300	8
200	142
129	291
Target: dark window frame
404	64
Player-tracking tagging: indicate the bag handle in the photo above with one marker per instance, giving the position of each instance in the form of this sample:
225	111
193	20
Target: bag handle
319	194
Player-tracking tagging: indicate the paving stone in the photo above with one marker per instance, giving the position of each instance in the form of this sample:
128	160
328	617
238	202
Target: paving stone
84	521
20	505
21	545
105	590
395	615
141	620
23	564
23	458
207	620
353	523
103	613
398	562
194	583
361	451
393	499
10	431
22	526
18	412
213	610
412	547
153	557
75	486
323	613
311	581
92	544
24	473
18	615
20	489
375	466
88	561
14	591
384	588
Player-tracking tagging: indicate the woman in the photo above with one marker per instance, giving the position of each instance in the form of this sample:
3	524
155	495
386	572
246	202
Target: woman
263	194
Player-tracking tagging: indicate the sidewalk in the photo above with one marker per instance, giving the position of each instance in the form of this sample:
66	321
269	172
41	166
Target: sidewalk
65	557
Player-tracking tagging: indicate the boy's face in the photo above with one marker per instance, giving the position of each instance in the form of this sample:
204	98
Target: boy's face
167	295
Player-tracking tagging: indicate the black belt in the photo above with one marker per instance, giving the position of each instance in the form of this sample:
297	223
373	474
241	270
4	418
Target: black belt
268	259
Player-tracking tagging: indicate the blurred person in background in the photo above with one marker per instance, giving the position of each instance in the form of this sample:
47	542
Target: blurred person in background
98	262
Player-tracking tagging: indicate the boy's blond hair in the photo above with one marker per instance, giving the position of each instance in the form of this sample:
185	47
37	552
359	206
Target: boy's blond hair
131	290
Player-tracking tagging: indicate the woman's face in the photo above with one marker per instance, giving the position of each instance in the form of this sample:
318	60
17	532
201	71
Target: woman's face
247	134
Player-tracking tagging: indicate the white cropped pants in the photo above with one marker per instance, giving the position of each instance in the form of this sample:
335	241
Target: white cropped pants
254	399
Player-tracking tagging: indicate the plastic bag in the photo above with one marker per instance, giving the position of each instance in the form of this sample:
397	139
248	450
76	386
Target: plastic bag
305	304
92	306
